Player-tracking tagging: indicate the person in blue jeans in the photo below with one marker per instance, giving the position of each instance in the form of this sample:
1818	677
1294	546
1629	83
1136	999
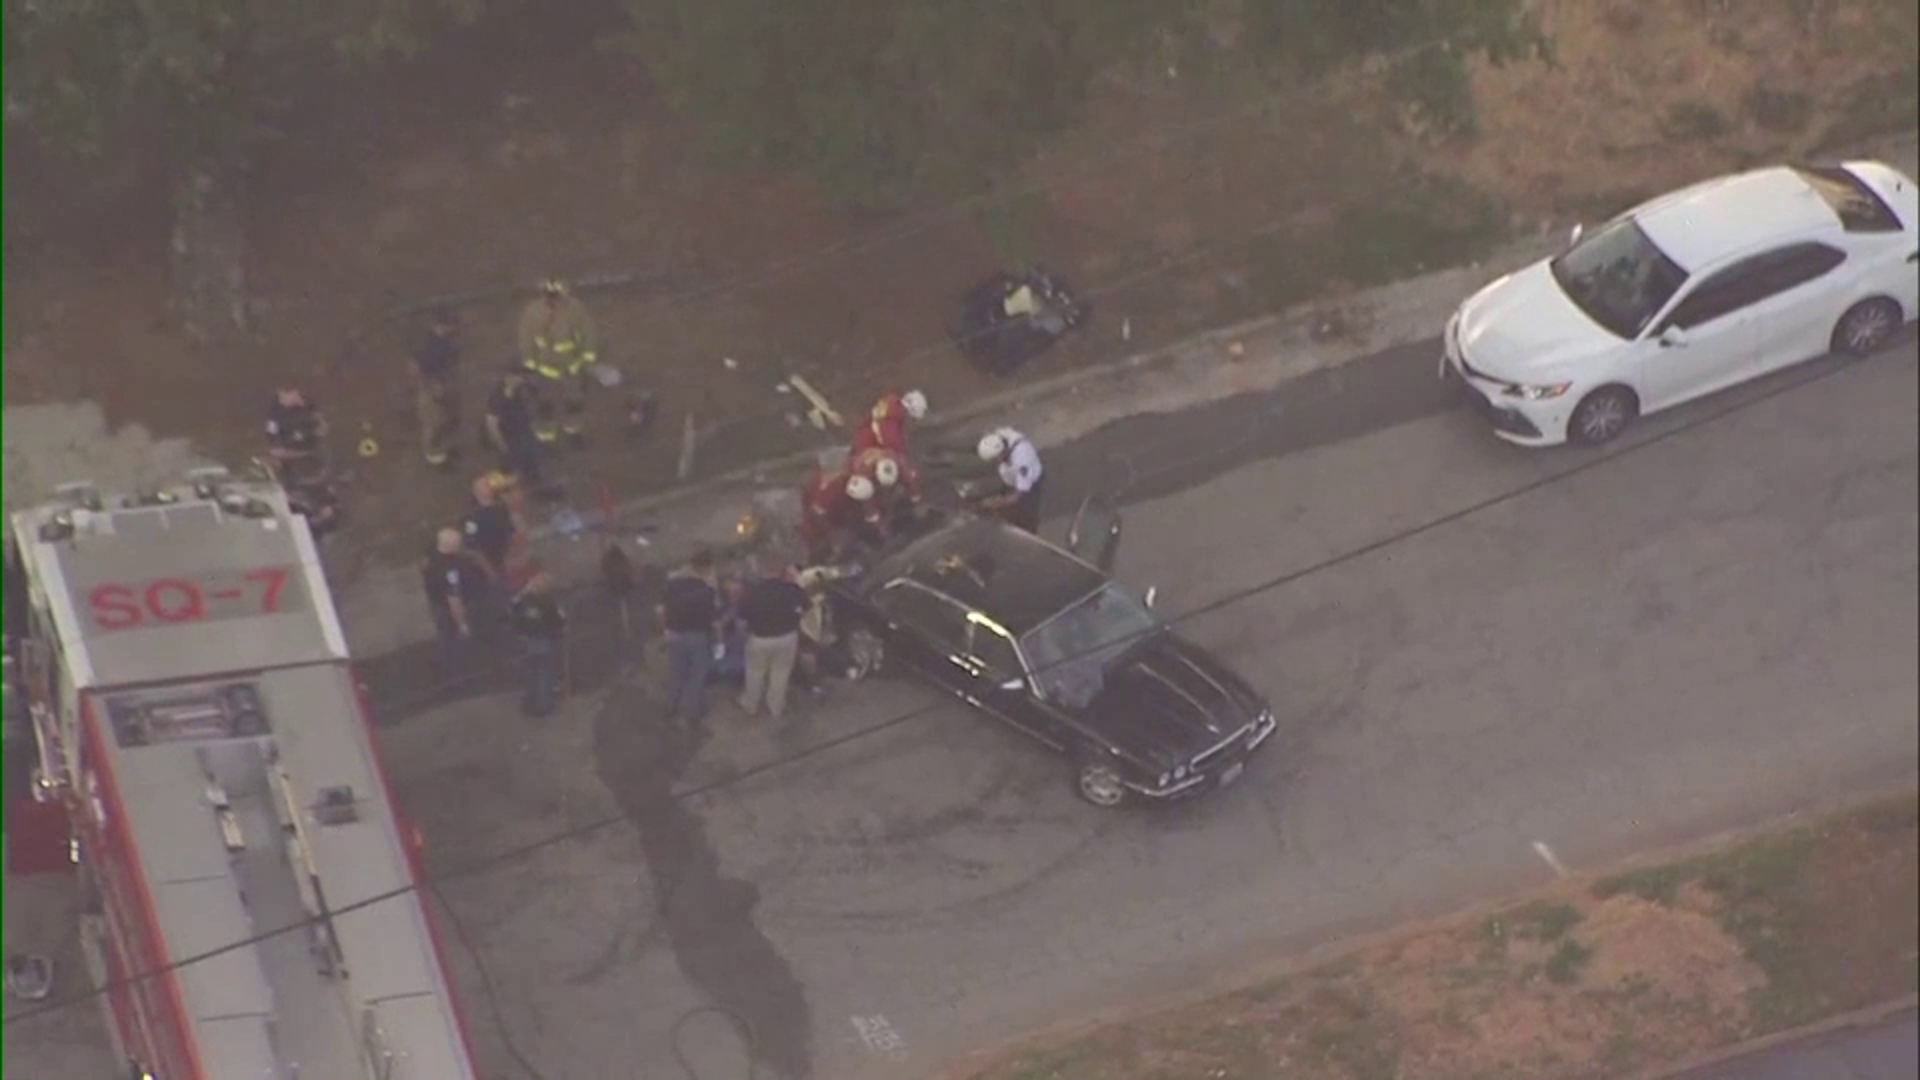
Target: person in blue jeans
690	612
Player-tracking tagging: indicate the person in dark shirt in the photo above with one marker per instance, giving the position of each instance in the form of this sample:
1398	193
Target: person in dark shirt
541	625
319	503
489	526
690	613
452	581
771	608
296	433
436	389
510	429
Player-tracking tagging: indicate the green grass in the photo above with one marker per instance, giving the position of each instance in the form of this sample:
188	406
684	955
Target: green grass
1782	112
1883	104
1418	222
1012	227
1429	223
1563	967
1541	920
1658	884
1353	1034
1767	901
1071	1064
1694	121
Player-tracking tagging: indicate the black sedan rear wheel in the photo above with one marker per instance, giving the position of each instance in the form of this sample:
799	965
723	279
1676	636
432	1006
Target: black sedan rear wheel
1099	783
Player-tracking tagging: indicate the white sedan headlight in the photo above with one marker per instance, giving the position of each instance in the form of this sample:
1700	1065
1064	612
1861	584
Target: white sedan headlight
1537	393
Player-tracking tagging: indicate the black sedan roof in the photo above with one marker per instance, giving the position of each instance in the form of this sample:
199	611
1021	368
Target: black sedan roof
1011	575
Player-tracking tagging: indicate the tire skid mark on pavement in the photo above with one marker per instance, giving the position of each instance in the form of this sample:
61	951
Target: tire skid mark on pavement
706	917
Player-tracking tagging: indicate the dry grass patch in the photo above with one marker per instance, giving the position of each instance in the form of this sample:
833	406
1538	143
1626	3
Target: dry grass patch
1583	983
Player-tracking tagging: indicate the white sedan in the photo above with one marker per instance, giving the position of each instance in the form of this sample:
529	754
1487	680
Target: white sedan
1693	292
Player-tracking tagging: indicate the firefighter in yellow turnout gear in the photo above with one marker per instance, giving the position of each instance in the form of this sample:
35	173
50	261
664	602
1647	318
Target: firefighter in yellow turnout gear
559	347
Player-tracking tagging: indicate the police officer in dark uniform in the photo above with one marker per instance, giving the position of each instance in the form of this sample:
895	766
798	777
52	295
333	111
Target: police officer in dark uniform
489	526
296	434
436	388
455	586
541	624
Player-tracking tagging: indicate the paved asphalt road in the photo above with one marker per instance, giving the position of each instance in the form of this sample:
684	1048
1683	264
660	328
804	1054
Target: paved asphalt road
1714	625
1699	631
1888	1051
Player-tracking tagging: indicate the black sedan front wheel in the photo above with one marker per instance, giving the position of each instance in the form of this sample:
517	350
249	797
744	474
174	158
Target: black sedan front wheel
1099	783
866	654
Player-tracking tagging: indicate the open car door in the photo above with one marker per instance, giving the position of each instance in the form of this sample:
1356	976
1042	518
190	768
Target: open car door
1095	533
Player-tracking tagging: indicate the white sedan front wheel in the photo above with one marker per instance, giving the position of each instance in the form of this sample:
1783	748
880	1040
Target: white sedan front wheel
1602	415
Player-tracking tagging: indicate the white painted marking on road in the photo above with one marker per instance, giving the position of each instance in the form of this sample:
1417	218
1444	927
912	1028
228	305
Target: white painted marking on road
1546	853
879	1036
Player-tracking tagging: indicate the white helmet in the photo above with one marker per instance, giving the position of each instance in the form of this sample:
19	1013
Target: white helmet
859	488
915	403
886	472
993	446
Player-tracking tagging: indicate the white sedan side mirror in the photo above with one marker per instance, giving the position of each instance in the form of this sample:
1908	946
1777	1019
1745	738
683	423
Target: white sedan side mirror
1673	337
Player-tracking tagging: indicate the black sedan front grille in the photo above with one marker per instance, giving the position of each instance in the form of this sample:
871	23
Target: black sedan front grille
1213	753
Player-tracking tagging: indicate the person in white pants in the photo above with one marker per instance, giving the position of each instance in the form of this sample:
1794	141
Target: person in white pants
771	608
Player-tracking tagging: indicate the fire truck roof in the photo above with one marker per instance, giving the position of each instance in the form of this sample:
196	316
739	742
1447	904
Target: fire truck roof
254	805
215	576
235	786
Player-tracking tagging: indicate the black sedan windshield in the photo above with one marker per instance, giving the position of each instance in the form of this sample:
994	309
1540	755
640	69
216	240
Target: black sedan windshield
1072	651
1619	277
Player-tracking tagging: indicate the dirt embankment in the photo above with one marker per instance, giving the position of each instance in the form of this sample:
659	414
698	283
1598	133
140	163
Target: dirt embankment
1187	199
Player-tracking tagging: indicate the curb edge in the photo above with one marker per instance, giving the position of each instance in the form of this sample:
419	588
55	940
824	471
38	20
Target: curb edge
1867	1016
1070	380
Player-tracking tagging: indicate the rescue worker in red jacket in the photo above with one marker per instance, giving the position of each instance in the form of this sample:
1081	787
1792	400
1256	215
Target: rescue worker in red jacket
896	485
886	425
833	507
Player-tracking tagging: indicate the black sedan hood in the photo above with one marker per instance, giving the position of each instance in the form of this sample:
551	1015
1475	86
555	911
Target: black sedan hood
1168	701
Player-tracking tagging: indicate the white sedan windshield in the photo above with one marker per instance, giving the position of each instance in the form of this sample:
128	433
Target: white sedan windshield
1619	277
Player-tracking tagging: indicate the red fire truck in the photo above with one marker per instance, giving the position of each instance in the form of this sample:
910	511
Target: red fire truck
197	716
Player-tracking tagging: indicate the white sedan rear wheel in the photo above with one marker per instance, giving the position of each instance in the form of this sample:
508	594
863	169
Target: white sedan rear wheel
1866	327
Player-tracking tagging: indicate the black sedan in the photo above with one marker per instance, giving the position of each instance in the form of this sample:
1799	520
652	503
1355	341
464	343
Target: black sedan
1044	640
